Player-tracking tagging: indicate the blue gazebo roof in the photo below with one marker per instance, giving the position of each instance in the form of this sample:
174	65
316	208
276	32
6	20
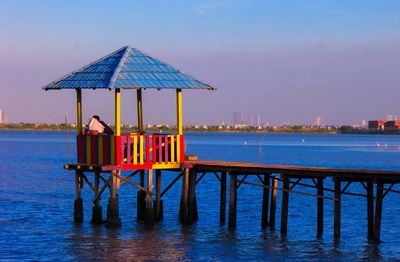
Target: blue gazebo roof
127	68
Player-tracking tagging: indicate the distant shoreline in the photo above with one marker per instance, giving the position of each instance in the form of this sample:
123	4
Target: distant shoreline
185	130
214	129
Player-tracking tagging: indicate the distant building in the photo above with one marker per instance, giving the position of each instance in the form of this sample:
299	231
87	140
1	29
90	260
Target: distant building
376	124
318	121
363	123
240	126
2	117
392	125
237	118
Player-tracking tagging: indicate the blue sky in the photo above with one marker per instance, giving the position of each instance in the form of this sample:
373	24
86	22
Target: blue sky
288	61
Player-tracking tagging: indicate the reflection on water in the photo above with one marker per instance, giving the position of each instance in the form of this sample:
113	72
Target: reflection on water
36	197
100	244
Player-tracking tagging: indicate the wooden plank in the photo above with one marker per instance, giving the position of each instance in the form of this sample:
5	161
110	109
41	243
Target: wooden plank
222	205
202	165
265	201
135	149
285	204
141	150
378	211
274	194
232	201
172	149
336	209
178	149
166	149
320	207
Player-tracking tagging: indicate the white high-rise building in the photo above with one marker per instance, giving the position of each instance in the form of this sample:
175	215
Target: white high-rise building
2	117
318	121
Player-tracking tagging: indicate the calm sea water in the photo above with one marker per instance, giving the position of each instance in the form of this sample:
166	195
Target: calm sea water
36	204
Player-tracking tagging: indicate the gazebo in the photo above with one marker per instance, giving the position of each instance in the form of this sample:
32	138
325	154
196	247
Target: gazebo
126	69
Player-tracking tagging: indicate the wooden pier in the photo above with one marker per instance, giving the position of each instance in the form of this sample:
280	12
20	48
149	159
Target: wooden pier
108	161
272	179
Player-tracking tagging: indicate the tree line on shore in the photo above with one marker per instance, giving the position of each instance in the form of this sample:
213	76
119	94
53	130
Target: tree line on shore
213	128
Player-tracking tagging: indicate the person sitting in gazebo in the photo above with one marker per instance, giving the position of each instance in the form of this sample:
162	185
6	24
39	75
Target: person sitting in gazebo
96	126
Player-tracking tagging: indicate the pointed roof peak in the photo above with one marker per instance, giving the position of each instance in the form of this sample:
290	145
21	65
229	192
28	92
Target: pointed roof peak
128	68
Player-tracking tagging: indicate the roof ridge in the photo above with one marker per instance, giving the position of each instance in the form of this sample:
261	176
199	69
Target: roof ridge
119	66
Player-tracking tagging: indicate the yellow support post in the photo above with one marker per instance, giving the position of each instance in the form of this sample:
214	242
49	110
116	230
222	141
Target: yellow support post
139	109
117	112
179	111
79	111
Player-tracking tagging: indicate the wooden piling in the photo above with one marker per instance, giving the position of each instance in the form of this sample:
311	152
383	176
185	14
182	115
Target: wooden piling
232	201
113	219
285	204
183	210
195	211
97	210
320	207
149	210
370	209
265	202
222	206
336	209
192	196
78	203
378	211
141	195
274	194
157	203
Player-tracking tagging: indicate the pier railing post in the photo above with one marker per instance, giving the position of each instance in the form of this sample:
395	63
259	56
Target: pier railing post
336	209
232	201
378	211
285	204
274	194
265	201
320	206
78	203
222	206
97	212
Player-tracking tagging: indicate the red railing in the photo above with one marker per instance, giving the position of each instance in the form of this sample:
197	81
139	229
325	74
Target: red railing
132	151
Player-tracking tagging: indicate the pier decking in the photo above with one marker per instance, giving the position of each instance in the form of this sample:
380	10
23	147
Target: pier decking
272	179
